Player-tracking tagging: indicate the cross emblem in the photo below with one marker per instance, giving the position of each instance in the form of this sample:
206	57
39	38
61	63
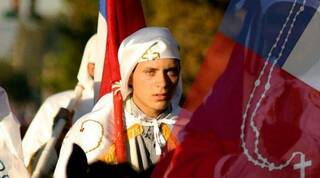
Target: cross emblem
302	166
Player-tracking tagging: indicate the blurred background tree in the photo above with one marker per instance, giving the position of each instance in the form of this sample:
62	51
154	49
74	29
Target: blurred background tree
72	30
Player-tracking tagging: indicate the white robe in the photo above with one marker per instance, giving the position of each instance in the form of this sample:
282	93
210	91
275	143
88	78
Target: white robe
93	133
11	159
40	129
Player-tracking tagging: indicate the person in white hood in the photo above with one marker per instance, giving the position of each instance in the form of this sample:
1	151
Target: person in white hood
151	88
11	157
40	129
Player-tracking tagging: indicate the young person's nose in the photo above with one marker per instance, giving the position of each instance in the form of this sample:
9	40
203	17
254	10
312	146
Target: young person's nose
162	80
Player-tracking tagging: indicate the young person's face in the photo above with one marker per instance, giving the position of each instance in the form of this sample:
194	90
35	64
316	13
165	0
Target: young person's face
154	84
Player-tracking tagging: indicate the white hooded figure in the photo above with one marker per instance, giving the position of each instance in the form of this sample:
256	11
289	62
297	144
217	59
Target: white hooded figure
40	129
151	88
11	158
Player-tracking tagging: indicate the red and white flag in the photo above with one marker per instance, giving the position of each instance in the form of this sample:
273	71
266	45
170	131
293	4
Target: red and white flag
117	20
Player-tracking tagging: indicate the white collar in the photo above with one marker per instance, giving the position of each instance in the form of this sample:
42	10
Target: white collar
138	117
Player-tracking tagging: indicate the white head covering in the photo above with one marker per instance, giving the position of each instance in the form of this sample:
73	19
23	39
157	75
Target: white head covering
148	43
89	56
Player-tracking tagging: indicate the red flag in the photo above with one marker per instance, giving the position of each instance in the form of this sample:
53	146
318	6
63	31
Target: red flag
123	18
217	58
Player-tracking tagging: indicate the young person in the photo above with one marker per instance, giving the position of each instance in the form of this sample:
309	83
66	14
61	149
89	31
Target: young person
151	89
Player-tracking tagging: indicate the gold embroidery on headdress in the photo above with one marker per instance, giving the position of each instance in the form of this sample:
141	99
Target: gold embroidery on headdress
150	54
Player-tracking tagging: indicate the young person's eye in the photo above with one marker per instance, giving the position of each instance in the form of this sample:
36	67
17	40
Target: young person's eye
149	72
173	72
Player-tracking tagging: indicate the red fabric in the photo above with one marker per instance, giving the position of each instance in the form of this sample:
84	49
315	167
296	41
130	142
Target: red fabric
123	18
195	157
119	127
287	121
217	58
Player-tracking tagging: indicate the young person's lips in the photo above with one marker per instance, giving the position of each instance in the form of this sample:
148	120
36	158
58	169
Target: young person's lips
161	96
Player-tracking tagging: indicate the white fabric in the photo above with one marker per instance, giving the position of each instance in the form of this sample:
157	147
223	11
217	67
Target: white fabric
170	119
40	129
303	62
97	132
101	51
94	133
11	159
311	77
10	126
159	139
89	56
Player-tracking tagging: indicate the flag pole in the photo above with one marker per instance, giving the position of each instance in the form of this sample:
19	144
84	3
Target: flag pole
123	17
119	128
113	42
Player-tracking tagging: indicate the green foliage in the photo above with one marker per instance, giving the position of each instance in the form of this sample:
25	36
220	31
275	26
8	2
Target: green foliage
62	61
14	82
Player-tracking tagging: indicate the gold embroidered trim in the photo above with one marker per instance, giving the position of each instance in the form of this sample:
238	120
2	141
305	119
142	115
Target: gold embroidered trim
101	133
150	54
134	131
170	139
110	155
166	131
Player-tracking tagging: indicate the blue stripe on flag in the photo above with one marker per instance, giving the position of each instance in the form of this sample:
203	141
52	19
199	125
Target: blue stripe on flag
257	27
102	8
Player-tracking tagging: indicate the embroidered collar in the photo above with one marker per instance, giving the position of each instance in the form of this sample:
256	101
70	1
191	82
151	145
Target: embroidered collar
135	111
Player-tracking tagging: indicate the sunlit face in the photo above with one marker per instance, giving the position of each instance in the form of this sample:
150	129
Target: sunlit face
154	84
